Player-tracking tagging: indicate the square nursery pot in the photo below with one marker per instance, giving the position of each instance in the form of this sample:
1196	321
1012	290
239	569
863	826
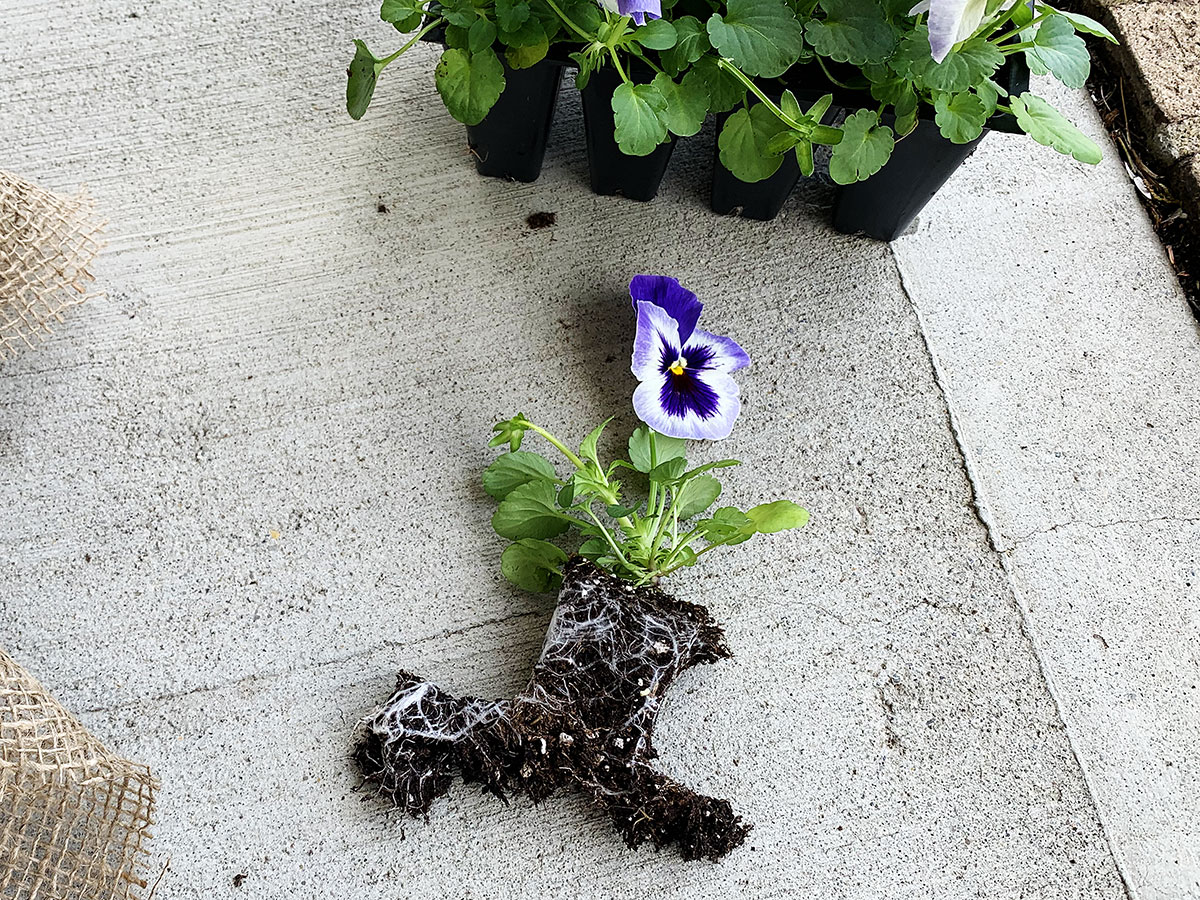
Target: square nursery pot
510	142
759	200
613	172
883	206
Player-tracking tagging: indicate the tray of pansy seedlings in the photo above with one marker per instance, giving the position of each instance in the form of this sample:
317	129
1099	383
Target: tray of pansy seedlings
884	98
604	535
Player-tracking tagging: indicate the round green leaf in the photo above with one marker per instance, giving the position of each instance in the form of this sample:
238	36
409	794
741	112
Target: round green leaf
696	496
959	116
863	150
762	37
745	140
657	34
1083	23
533	565
470	83
664	448
724	90
691	40
1046	125
1062	51
512	470
530	512
780	515
853	31
687	103
639	113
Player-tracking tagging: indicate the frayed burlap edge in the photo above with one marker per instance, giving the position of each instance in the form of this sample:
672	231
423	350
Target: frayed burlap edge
74	818
47	244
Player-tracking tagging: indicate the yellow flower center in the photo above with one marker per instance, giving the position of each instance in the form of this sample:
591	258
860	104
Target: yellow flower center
678	366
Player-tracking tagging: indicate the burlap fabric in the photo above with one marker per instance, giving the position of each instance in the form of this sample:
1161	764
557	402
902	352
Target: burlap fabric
47	244
74	818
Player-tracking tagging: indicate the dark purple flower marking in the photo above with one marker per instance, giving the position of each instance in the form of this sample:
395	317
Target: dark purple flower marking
686	390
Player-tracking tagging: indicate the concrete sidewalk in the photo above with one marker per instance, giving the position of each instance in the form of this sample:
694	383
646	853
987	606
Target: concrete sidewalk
242	491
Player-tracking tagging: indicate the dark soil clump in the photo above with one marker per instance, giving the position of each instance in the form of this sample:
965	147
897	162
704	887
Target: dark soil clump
541	219
586	719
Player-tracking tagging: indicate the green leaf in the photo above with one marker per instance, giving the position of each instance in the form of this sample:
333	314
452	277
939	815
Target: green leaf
511	14
587	450
481	35
780	515
687	103
470	83
691	41
512	470
853	31
533	565
406	15
668	471
762	37
593	548
1062	52
665	448
804	158
744	142
657	34
696	496
566	496
865	147
1083	23
1046	125
526	46
791	106
907	108
360	80
530	512
724	90
616	510
728	525
959	116
989	94
639	113
966	65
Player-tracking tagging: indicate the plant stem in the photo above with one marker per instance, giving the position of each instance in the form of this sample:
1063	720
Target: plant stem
1015	48
617	63
608	537
1017	31
579	31
829	75
420	34
753	88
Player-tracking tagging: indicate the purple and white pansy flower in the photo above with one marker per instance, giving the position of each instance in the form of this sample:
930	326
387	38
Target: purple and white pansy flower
638	10
686	390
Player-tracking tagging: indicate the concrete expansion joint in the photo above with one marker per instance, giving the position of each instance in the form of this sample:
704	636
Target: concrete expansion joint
1020	539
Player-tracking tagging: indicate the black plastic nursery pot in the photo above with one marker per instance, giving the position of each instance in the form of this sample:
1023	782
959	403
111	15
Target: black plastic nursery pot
758	200
613	172
883	206
511	140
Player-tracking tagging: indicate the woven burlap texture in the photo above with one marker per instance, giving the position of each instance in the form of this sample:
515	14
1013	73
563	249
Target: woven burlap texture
74	818
47	244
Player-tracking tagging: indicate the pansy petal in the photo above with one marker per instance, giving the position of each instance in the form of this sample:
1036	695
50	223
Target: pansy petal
711	351
951	21
640	9
657	338
678	302
684	419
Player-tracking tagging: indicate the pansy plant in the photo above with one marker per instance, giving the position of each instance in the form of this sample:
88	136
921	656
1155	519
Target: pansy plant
678	61
685	392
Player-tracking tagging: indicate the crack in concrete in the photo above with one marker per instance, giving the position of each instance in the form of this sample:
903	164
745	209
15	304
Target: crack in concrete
1020	539
275	674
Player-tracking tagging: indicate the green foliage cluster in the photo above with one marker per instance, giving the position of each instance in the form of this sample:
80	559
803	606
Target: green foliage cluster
747	59
640	537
